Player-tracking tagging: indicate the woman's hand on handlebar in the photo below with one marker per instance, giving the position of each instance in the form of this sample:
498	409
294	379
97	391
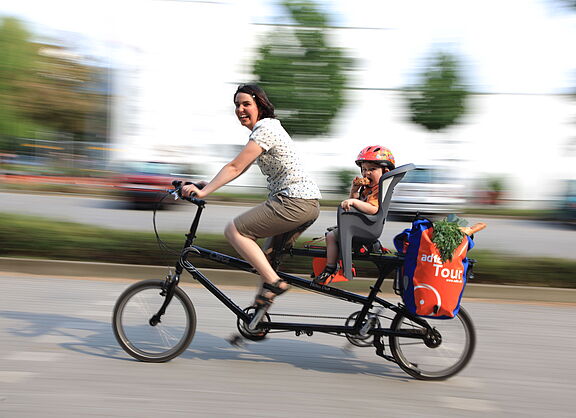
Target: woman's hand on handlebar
194	189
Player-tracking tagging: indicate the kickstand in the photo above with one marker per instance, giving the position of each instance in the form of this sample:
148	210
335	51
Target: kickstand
380	347
236	340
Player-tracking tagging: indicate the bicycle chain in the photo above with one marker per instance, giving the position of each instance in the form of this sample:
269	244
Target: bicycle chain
321	316
309	316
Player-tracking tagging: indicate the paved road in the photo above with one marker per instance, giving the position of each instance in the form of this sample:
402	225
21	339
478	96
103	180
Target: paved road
59	359
525	237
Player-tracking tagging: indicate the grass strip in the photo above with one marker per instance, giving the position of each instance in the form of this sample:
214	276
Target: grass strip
30	236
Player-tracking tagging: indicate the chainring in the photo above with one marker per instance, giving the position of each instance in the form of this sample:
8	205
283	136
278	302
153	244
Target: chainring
361	340
257	334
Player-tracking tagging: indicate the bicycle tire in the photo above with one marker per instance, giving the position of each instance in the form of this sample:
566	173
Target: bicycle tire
458	340
163	341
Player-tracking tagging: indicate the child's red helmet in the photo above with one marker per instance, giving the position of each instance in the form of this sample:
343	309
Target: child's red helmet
377	154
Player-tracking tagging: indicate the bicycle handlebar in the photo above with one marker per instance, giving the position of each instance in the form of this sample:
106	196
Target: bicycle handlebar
177	192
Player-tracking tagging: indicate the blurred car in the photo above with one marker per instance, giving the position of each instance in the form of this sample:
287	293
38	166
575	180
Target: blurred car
428	190
567	203
17	164
143	184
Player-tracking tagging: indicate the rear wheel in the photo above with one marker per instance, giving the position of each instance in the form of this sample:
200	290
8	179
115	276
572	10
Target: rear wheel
442	354
148	340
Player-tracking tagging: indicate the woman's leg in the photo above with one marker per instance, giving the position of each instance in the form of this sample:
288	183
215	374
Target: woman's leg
275	216
251	252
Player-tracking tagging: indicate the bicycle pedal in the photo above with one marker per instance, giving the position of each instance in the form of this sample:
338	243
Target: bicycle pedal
236	340
258	315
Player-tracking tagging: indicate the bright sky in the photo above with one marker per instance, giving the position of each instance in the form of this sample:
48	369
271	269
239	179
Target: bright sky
509	46
518	46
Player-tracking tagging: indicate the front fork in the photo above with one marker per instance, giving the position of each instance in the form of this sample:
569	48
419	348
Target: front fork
168	289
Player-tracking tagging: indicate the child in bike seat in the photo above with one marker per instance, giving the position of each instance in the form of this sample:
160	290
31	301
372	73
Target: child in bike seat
373	161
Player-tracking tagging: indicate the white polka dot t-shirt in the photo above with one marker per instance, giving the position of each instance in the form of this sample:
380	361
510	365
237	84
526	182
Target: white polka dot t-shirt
280	162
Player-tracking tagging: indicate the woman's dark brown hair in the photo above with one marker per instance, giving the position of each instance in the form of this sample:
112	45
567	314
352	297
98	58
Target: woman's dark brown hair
265	107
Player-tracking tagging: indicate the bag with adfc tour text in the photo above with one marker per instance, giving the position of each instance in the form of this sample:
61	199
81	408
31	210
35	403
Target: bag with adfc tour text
429	286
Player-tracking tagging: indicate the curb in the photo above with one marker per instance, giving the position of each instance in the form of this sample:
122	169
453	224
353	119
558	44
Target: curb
80	269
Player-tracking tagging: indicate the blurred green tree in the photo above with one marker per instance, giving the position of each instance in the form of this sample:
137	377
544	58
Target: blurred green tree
345	178
65	95
302	74
16	69
440	98
45	88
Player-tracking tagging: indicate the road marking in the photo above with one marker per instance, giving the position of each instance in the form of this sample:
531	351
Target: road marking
84	325
468	404
107	314
104	303
7	376
33	356
463	382
56	339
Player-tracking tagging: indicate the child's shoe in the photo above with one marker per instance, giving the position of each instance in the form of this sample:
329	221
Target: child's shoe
326	276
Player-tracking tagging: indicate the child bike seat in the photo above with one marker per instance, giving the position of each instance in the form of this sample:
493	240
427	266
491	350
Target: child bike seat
353	224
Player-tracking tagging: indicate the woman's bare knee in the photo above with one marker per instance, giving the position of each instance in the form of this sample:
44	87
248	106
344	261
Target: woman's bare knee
230	230
231	233
235	238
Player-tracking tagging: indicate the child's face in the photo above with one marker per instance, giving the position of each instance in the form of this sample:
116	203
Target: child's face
372	172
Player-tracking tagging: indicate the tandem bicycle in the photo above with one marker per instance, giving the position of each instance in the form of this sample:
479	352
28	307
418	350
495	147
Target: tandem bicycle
155	320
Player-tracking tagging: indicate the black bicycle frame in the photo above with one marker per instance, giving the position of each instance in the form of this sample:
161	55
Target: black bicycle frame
385	263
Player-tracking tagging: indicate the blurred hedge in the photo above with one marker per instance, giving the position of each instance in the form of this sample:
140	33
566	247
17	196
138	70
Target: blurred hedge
26	236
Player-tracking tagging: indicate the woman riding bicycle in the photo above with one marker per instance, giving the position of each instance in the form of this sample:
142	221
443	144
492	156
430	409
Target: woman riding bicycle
292	205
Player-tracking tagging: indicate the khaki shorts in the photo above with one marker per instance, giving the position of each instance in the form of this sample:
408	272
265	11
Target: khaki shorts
280	218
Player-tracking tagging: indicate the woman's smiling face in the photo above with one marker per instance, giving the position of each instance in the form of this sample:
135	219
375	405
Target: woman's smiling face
246	110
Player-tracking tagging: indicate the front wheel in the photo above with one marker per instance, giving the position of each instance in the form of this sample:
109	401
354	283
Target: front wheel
446	351
146	339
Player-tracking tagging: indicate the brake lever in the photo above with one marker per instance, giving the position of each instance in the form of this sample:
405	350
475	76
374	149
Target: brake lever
176	192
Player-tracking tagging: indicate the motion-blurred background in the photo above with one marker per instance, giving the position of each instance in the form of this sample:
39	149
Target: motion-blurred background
104	102
119	97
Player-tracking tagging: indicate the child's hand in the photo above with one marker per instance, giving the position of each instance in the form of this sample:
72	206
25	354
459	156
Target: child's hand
356	184
347	204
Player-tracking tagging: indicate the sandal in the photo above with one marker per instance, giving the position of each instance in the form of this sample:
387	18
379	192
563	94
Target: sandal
264	301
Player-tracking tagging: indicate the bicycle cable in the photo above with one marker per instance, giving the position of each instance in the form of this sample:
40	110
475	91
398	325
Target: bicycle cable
167	249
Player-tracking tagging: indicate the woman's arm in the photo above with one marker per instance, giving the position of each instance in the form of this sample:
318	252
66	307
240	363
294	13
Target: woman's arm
229	172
